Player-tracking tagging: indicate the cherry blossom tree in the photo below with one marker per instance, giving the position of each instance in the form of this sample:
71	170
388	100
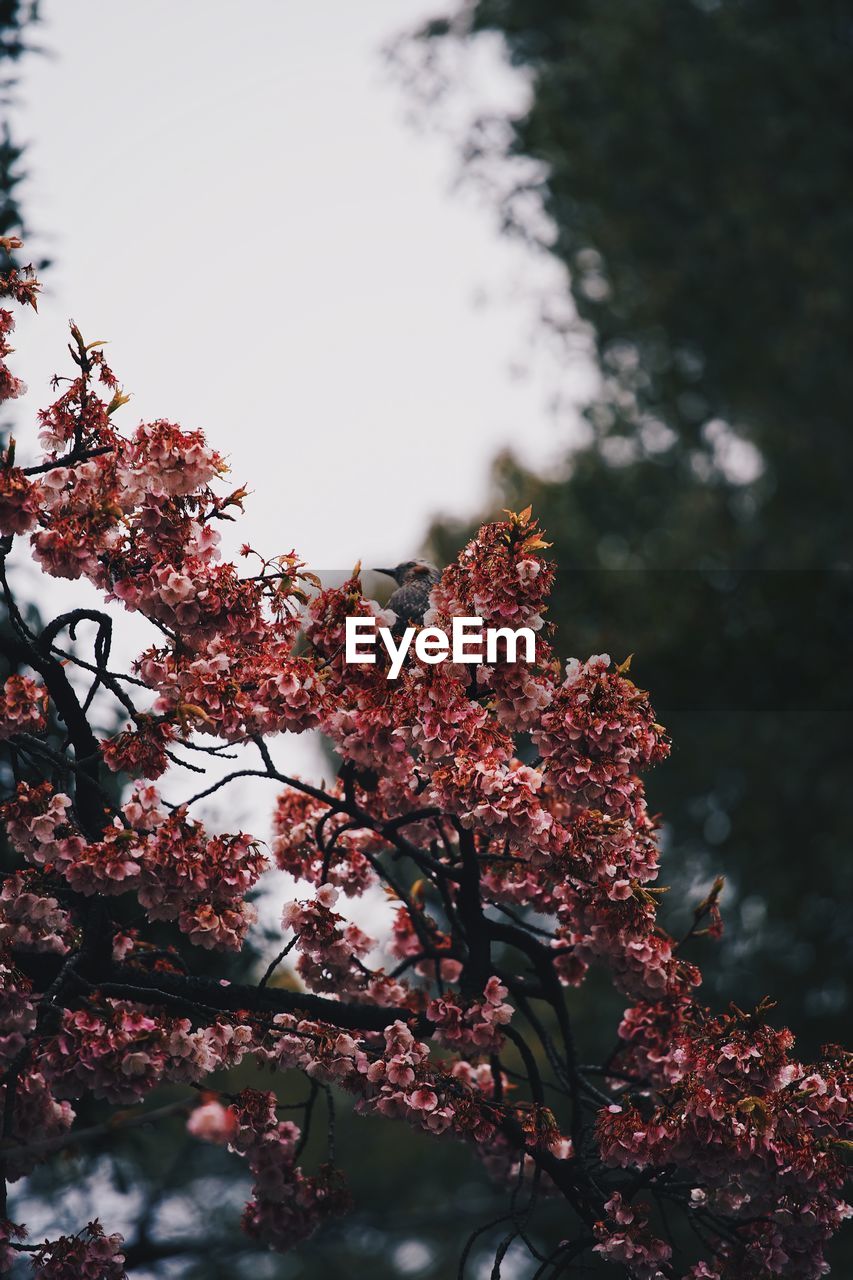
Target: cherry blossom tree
500	809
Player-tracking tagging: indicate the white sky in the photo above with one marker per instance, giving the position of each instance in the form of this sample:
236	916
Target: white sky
233	198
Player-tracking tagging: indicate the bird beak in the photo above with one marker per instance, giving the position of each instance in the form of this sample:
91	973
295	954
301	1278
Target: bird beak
388	573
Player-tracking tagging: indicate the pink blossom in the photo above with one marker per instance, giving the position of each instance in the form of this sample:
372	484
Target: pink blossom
213	1122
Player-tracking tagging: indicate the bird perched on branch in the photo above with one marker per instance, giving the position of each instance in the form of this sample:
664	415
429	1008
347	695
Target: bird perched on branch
415	579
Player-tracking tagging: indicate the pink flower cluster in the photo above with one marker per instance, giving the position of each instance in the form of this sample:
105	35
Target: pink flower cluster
440	716
497	795
23	706
140	751
475	1027
90	1255
500	577
619	928
17	1013
329	948
758	1131
296	849
624	1237
519	693
10	386
596	733
37	1116
177	870
121	1052
391	1074
162	462
19	500
287	1205
228	694
30	918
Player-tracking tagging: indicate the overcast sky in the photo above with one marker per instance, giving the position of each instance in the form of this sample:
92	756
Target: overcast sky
232	196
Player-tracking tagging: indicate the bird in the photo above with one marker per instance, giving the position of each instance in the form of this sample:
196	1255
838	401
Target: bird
415	580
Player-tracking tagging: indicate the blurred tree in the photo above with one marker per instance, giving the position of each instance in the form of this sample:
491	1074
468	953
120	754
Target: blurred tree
693	161
16	18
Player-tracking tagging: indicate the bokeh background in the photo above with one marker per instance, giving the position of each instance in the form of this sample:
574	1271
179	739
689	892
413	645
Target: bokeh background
409	266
